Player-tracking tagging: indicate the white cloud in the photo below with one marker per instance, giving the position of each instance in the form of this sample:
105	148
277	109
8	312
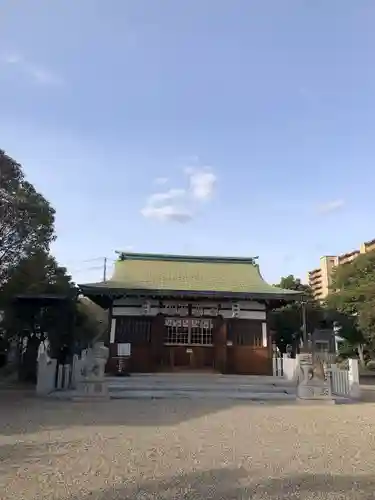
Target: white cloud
177	204
37	73
168	205
169	195
161	180
202	182
167	213
330	206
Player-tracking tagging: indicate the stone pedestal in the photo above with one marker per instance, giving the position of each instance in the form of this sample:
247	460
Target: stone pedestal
46	375
93	389
92	383
312	385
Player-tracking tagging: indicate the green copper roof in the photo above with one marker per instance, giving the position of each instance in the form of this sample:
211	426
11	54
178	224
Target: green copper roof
168	273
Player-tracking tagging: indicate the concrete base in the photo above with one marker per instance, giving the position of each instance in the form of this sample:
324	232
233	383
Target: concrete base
92	389
80	398
321	401
315	392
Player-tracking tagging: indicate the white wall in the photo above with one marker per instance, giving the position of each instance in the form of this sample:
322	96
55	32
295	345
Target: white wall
135	307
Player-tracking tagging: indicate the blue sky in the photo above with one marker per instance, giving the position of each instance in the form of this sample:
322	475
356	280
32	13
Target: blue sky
195	126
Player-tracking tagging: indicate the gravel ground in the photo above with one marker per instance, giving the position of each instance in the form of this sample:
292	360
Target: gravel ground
190	449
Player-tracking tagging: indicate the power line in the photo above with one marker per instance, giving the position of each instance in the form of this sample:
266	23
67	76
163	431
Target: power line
99	258
103	267
85	261
94	259
82	270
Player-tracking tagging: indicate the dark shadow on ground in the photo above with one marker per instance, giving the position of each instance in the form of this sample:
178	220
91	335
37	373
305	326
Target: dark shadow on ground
233	484
367	380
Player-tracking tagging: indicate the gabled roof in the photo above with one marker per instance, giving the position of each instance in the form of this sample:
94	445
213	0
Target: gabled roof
191	275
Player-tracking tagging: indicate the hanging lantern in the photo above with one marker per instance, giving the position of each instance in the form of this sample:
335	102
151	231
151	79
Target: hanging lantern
147	307
235	310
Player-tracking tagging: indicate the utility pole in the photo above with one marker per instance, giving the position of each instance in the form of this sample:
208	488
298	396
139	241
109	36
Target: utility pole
105	270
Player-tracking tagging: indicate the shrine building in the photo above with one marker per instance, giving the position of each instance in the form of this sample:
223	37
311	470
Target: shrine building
178	312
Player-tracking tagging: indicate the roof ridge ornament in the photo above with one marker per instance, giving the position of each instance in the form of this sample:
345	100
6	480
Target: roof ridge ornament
122	256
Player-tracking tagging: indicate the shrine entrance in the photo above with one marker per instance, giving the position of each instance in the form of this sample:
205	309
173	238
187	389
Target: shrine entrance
188	344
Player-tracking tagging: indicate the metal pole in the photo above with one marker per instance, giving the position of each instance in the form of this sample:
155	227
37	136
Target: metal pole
105	270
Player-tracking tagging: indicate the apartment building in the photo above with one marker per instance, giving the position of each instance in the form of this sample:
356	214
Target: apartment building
320	278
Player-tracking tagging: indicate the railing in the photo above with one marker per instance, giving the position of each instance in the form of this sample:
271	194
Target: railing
345	381
63	377
339	381
277	366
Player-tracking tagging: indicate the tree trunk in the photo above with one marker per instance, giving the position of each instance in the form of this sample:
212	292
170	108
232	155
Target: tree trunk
360	354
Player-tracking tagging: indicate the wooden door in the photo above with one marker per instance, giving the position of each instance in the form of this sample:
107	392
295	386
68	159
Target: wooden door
181	358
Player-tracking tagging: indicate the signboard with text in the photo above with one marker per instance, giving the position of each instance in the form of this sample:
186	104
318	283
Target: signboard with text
185	309
123	349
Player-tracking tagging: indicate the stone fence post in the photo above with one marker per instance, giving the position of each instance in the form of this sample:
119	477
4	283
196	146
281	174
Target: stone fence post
77	365
290	367
46	374
354	388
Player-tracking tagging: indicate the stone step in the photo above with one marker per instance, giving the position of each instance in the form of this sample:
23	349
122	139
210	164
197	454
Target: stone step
201	386
178	394
210	381
199	379
118	387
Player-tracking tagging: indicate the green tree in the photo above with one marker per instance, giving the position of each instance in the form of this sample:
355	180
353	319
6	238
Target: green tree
292	283
38	273
352	296
26	218
67	322
346	326
287	320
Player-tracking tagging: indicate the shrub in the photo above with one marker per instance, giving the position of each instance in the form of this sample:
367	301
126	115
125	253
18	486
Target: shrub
371	365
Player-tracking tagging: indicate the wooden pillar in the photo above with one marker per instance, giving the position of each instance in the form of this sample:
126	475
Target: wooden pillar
111	366
219	335
112	332
157	342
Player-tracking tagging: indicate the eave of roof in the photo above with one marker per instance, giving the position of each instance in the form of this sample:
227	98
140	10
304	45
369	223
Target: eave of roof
44	297
95	289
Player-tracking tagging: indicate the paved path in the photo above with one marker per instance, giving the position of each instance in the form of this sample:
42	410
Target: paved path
139	449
